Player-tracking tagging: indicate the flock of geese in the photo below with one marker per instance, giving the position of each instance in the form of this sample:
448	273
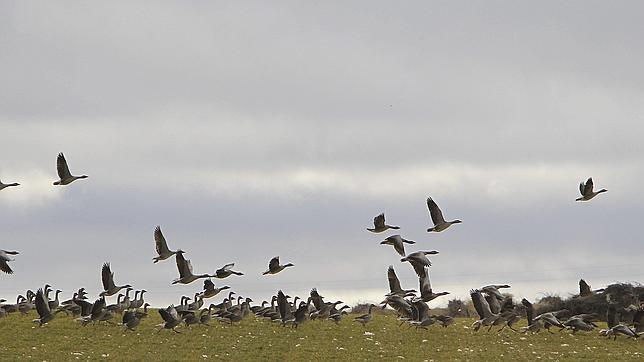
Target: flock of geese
493	307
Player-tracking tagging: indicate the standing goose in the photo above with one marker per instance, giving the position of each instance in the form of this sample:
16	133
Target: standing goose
394	284
42	307
3	186
437	217
108	282
426	292
63	172
365	318
380	226
274	266
419	260
226	271
397	242
4	258
209	289
587	192
162	246
185	271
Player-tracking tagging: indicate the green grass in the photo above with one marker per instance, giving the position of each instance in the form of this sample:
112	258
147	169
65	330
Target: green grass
64	339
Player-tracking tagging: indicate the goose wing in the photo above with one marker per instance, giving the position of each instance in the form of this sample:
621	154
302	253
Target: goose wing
588	187
394	282
227	267
97	308
128	316
274	263
4	266
42	304
379	221
425	285
480	304
184	266
435	212
584	288
507	305
208	285
108	277
529	309
159	241
317	299
61	167
168	316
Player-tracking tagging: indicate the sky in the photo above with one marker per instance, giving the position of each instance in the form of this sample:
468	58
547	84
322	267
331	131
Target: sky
248	130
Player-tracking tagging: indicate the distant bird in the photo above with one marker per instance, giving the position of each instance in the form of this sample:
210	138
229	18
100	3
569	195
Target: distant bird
365	318
426	292
4	258
397	242
274	266
63	172
380	226
108	282
162	246
226	271
419	260
587	192
42	307
394	284
585	291
3	186
437	217
186	275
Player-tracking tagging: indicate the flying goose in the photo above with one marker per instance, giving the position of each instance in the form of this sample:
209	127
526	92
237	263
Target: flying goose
63	172
4	258
426	292
419	260
423	319
186	275
226	271
620	329
274	266
549	319
365	318
3	186
579	324
42	307
437	217
397	242
394	284
209	289
162	246
108	282
380	226
493	289
585	291
587	192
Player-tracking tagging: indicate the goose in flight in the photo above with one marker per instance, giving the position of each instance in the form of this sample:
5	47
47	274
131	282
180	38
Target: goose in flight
587	192
186	275
162	246
380	226
419	260
426	292
209	289
4	258
226	271
170	318
585	291
42	307
4	186
108	282
397	242
274	266
437	217
486	317
394	284
63	172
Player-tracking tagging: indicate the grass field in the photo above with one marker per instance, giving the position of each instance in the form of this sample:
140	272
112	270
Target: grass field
64	339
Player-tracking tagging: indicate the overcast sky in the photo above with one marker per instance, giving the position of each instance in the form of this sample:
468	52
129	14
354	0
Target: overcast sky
249	130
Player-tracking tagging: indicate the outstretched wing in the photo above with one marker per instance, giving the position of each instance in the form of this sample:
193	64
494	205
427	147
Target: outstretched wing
128	316
588	188
274	263
529	309
584	288
4	266
379	221
108	277
183	265
208	285
61	167
166	315
159	241
425	285
42	304
394	282
435	212
480	304
228	267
